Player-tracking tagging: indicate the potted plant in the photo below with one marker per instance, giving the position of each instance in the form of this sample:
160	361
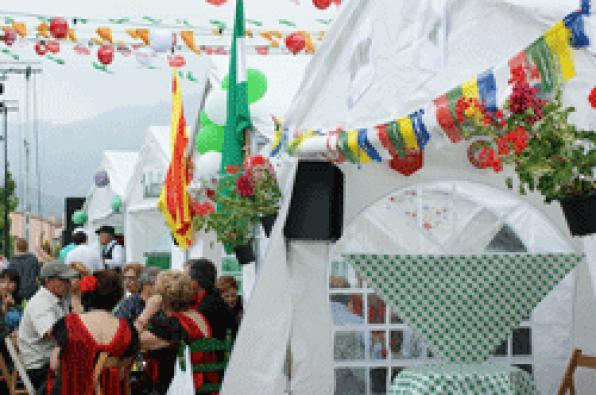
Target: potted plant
549	154
266	191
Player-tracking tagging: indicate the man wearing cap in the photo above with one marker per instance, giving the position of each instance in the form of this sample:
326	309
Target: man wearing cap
112	253
83	253
44	309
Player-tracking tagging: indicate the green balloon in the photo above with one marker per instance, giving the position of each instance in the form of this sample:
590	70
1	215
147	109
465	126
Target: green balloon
79	217
205	119
116	203
210	138
257	85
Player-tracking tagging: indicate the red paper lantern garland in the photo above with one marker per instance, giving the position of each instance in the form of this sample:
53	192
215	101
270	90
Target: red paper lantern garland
321	4
59	28
53	46
41	48
295	42
105	54
176	61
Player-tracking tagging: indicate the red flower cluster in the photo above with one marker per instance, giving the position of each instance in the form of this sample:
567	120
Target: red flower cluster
88	284
232	169
202	209
473	109
244	186
592	97
518	138
488	158
523	98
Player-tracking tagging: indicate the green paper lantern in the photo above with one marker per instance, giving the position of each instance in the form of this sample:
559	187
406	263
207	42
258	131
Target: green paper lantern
79	217
116	203
257	85
210	138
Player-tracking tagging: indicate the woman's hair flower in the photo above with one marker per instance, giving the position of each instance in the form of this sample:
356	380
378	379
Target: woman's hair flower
88	284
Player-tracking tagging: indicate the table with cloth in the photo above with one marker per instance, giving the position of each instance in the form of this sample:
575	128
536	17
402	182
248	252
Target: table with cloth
463	379
464	306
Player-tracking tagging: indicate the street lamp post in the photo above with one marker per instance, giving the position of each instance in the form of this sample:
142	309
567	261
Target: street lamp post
5	107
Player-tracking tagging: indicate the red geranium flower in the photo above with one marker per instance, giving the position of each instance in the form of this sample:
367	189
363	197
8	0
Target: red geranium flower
88	284
244	186
592	97
232	169
254	160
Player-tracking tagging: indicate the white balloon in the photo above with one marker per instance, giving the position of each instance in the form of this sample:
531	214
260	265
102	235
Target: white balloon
216	107
208	165
262	120
145	57
161	40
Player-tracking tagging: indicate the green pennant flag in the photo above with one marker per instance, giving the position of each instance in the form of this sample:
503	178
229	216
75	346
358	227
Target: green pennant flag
238	117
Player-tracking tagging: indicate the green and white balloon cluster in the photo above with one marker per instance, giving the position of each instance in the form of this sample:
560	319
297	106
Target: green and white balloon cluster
210	139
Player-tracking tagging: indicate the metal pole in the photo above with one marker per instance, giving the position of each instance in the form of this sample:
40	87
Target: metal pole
6	227
27	143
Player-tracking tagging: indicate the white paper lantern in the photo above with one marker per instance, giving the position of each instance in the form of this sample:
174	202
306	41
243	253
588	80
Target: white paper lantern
208	165
161	40
216	107
145	57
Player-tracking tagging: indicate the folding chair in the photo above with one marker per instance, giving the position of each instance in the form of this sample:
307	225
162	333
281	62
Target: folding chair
105	361
19	371
578	360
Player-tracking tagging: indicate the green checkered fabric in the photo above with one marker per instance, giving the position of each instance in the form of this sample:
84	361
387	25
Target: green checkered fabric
464	306
451	379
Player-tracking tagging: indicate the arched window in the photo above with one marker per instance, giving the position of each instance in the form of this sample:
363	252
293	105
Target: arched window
371	344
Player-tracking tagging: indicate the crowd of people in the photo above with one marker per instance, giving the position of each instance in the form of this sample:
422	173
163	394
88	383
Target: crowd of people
63	315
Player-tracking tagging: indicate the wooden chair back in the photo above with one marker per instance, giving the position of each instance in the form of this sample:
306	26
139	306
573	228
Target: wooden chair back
578	360
19	372
105	361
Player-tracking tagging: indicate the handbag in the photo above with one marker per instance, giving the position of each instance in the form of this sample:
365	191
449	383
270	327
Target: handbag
182	383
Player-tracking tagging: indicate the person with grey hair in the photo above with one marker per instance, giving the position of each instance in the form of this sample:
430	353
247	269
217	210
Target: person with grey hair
131	307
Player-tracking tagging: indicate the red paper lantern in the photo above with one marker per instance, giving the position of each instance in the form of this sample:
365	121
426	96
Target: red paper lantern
10	36
176	61
105	54
321	4
262	50
408	164
41	48
53	47
295	42
217	3
59	28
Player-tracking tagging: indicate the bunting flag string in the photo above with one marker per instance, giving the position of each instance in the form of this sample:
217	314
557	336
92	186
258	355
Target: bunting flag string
549	61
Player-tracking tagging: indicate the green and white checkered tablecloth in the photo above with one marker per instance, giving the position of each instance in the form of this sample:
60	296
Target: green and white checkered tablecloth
464	306
458	379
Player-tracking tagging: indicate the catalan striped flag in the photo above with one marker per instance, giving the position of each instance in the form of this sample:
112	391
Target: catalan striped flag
173	200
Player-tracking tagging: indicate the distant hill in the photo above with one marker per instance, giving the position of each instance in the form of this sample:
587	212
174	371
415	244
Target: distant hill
70	153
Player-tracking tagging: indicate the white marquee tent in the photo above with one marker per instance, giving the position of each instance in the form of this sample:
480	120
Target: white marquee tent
119	166
401	75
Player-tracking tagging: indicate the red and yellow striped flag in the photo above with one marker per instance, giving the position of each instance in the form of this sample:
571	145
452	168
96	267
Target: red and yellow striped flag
174	201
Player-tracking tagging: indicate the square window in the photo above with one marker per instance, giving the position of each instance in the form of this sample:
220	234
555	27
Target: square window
396	346
406	344
346	309
344	276
395	318
378	381
350	381
501	350
376	310
395	371
522	341
348	346
378	345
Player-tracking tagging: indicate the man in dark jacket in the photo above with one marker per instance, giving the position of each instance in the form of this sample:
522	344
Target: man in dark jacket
27	266
209	302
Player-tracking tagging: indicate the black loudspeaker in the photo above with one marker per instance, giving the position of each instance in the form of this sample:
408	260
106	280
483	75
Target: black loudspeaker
317	206
71	204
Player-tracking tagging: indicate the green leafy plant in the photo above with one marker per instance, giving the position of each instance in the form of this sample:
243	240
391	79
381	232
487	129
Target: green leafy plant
242	197
549	154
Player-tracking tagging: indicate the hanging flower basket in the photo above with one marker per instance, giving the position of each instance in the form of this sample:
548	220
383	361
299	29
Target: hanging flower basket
245	254
580	213
267	223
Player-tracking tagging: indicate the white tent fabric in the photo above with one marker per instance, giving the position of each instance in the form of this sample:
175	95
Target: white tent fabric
145	229
481	34
119	166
